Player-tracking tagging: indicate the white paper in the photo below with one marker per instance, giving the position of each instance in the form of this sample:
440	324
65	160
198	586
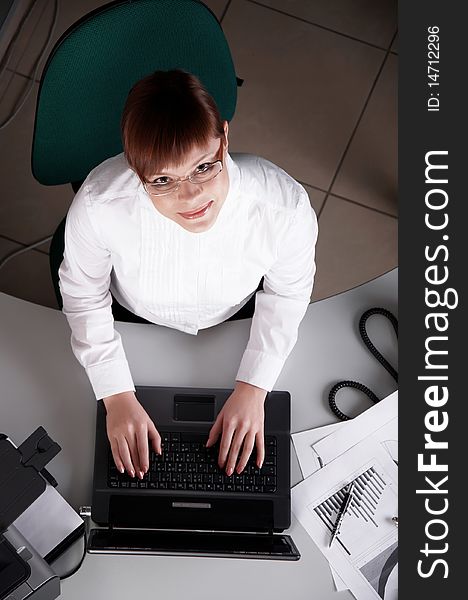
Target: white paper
303	445
379	421
364	553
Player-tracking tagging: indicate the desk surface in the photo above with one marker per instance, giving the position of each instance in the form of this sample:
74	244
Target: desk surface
42	384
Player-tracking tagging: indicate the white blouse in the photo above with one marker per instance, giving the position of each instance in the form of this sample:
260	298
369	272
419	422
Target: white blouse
116	240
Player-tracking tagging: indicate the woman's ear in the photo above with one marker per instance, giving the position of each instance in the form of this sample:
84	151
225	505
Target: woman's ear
226	132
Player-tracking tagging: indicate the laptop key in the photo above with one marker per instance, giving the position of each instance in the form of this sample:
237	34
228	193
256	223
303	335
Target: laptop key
199	438
219	487
269	488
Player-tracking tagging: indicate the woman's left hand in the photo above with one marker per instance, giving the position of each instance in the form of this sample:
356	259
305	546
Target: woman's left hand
241	423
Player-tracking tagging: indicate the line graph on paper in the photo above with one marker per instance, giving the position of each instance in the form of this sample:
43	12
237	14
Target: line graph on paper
369	490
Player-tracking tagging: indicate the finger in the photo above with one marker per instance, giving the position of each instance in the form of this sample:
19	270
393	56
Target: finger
142	448
155	438
215	431
125	456
228	432
133	449
260	443
234	451
249	441
116	455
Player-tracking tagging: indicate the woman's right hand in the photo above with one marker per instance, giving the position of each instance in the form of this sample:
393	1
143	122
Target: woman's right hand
128	429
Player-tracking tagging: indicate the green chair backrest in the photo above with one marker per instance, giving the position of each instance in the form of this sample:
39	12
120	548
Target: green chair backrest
95	63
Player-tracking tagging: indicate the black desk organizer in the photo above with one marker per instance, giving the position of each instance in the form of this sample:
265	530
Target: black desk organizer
22	473
22	480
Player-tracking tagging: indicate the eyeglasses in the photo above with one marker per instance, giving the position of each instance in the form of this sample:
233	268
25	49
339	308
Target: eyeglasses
168	184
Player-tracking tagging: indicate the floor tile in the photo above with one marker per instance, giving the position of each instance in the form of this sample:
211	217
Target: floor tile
36	33
29	211
304	89
30	48
355	244
367	20
217	6
368	174
26	276
31	37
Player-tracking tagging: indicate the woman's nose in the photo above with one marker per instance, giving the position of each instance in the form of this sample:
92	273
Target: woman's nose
189	192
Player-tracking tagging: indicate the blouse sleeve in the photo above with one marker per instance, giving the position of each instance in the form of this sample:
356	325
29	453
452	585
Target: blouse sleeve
84	284
282	304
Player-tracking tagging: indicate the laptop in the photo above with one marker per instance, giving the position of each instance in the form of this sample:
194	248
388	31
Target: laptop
186	505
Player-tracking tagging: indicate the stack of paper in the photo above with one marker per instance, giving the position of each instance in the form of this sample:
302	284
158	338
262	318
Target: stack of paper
363	558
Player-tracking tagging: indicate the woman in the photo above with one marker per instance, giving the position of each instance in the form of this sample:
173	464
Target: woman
181	233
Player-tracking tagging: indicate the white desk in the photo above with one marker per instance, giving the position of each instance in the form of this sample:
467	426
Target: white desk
42	384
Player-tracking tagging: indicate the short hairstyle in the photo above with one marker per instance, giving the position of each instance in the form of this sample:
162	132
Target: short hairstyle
166	115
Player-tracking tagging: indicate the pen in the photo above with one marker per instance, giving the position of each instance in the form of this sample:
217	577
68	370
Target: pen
341	513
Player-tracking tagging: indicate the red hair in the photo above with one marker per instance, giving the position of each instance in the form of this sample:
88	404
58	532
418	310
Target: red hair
166	115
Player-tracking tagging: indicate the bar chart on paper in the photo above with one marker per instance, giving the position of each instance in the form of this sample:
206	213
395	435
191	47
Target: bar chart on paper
368	490
368	535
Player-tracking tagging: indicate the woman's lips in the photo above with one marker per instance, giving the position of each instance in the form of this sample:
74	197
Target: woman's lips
200	212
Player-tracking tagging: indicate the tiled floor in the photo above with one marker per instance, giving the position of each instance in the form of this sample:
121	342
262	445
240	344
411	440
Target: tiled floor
319	99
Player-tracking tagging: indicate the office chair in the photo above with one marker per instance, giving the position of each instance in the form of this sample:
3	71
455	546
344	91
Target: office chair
92	68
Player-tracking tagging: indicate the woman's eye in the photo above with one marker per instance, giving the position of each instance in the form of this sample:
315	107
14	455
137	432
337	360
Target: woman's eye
203	167
161	181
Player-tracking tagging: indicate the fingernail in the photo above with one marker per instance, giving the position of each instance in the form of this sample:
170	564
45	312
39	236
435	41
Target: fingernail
229	471
132	473
121	469
141	474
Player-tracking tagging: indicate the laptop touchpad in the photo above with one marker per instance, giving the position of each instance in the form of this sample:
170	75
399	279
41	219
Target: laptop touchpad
194	407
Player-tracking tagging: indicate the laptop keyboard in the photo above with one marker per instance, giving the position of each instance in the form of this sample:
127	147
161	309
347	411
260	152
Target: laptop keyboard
186	464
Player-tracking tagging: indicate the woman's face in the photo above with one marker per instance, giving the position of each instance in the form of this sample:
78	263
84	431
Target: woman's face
195	207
